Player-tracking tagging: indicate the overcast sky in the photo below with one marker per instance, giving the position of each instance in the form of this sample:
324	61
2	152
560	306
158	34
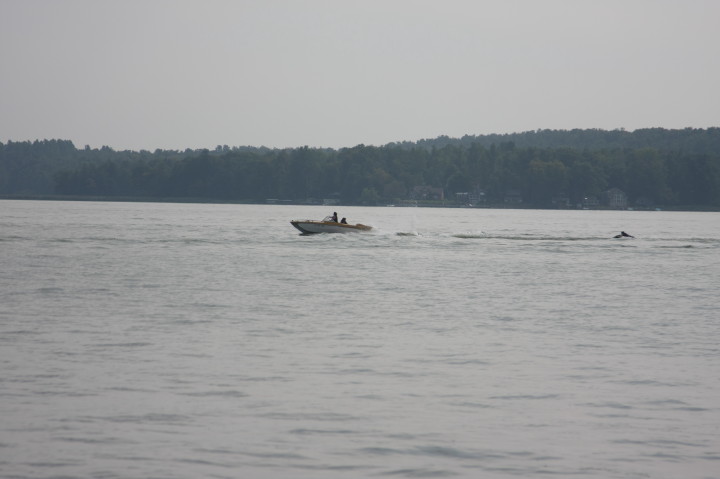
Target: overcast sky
182	74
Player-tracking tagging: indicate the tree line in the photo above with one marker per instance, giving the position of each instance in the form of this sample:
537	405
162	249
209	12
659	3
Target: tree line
670	168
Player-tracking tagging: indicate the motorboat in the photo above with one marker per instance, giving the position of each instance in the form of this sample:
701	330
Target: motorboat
327	225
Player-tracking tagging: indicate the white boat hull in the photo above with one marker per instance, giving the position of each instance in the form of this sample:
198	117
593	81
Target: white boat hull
313	227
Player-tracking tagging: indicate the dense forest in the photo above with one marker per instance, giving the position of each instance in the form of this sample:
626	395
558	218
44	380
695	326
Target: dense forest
545	168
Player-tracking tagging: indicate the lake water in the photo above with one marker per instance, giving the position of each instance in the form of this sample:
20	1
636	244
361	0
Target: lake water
145	340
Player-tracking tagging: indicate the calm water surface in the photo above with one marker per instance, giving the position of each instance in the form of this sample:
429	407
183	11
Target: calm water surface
185	341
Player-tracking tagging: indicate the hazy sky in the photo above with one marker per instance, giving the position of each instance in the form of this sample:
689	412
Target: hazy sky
182	74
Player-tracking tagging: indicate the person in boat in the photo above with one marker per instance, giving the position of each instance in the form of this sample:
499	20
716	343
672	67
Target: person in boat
623	235
334	217
343	221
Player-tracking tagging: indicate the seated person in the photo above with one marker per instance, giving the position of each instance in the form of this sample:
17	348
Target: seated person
343	221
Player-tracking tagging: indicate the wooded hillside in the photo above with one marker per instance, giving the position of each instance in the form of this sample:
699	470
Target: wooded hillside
548	168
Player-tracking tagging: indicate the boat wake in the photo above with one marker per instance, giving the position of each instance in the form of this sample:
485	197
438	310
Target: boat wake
479	235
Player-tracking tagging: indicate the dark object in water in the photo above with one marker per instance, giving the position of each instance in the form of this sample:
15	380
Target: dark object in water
623	235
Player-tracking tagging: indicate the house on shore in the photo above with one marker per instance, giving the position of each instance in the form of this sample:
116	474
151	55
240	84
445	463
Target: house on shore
615	198
427	193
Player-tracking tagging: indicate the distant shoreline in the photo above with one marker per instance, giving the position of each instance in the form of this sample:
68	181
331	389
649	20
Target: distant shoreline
419	204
